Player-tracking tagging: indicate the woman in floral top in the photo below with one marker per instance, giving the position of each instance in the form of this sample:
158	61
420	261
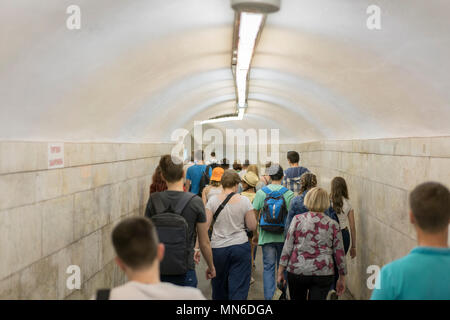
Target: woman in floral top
311	243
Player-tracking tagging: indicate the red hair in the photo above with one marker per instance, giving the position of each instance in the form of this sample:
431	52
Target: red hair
158	184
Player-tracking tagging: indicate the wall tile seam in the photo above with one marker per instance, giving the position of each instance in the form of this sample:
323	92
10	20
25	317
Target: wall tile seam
76	166
73	194
364	178
17	272
378	154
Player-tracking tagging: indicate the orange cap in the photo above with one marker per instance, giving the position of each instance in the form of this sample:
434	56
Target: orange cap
216	174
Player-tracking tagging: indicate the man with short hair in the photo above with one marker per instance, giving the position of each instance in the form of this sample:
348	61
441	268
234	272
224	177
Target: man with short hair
139	254
271	243
194	214
424	274
292	174
194	174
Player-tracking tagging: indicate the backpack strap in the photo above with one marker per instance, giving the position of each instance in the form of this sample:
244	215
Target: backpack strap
266	190
283	190
183	202
222	205
103	294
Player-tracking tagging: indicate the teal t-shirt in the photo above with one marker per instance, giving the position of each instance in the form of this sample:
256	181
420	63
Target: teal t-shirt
258	203
424	274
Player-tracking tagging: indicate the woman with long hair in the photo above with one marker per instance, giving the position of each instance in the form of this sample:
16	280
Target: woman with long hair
158	183
340	204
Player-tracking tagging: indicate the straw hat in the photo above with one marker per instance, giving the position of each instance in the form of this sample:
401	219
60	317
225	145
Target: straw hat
251	179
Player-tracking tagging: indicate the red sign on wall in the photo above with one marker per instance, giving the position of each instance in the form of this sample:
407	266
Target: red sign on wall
55	155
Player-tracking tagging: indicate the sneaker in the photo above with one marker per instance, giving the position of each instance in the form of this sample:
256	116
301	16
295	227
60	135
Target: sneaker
332	295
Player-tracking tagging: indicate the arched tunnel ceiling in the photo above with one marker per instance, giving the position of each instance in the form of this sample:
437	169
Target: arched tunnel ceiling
137	70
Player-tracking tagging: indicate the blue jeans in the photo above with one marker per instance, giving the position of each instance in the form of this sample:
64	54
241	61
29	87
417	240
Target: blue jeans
233	272
186	280
271	257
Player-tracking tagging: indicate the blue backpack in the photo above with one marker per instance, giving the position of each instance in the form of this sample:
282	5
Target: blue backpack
274	212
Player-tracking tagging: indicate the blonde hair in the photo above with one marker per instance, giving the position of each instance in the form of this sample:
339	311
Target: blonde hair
317	200
253	168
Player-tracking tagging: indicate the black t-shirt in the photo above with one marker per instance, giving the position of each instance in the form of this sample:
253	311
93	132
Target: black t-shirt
194	213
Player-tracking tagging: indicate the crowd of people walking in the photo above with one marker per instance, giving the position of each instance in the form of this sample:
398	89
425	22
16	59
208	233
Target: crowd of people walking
205	209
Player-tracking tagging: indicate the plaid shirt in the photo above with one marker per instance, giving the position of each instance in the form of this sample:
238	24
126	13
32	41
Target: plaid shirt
291	179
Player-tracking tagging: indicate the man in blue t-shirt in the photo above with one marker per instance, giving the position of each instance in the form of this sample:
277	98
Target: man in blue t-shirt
194	173
291	179
424	273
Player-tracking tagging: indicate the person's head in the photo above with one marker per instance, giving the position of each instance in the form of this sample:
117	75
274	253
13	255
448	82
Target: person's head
275	171
216	176
316	200
158	182
253	168
136	244
171	168
430	207
225	164
249	180
213	154
237	166
246	164
199	155
293	157
230	180
308	181
338	193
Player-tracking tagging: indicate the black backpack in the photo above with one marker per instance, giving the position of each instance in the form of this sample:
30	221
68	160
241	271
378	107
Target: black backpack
173	232
204	181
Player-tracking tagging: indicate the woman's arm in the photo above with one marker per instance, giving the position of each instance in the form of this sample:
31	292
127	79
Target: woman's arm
250	220
351	220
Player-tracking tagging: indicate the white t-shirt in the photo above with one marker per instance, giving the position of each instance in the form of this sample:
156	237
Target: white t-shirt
343	217
133	290
229	228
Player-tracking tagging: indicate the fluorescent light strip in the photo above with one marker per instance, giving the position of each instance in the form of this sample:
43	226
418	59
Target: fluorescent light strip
249	26
240	116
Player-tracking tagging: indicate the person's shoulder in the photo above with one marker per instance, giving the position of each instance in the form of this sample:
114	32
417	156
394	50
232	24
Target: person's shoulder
183	293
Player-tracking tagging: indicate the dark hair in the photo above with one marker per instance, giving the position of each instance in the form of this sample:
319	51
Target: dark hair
213	154
230	179
338	192
293	157
199	155
308	181
246	164
135	241
430	205
158	184
225	164
279	175
171	168
237	166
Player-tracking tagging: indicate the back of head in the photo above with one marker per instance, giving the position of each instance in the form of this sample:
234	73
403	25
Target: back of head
135	241
316	200
246	164
225	164
253	168
275	171
339	191
430	205
171	168
293	157
199	155
230	179
213	154
308	181
237	166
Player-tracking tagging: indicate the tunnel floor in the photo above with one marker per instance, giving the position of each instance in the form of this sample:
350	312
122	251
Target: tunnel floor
256	289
